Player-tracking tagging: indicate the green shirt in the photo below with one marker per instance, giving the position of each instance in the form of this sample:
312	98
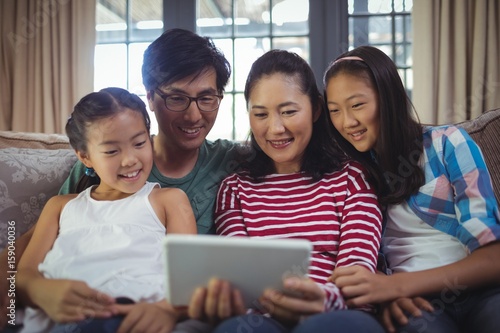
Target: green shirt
216	160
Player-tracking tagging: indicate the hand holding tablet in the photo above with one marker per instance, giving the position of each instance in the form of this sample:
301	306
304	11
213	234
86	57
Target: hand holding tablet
249	264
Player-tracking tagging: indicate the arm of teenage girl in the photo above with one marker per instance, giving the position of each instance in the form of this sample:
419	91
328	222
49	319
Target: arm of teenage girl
479	229
62	300
359	242
171	206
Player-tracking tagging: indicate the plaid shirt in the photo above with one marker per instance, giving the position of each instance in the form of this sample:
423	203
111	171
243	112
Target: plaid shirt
457	197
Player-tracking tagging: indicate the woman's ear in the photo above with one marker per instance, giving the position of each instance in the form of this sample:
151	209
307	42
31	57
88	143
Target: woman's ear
83	157
317	112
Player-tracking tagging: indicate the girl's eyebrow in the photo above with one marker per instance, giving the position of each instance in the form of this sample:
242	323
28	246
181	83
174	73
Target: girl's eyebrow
348	98
111	142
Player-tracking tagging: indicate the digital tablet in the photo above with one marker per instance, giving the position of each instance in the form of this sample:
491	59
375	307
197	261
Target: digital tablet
249	264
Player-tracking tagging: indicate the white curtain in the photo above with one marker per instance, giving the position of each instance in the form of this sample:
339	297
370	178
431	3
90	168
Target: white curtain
46	62
456	62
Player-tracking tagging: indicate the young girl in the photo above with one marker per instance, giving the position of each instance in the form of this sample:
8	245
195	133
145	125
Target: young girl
92	251
297	186
442	235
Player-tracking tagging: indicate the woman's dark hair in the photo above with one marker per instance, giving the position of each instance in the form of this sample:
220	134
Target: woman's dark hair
180	53
321	155
399	143
96	106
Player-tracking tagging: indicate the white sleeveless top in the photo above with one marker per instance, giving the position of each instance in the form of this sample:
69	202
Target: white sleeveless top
114	246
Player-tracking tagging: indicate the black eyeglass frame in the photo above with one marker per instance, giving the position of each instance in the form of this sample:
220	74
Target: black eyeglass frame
191	99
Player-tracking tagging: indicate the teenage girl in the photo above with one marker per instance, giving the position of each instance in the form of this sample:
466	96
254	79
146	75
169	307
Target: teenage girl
442	233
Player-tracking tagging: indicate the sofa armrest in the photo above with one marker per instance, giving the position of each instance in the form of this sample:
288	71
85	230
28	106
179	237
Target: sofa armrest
33	167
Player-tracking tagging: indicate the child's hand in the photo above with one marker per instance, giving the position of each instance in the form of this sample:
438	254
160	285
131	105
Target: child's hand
216	302
360	286
158	317
398	311
70	301
305	298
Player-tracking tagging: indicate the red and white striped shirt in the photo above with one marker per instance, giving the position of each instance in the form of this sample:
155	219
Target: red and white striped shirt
339	214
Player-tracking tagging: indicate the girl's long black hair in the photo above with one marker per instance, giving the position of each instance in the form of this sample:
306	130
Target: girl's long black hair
399	144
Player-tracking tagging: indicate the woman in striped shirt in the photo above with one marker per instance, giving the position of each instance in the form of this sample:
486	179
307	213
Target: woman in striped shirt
298	185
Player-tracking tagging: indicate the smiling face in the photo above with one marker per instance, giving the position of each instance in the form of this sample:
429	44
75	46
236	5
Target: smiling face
119	149
281	120
353	107
188	129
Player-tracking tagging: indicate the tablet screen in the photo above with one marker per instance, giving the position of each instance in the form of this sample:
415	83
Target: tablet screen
249	264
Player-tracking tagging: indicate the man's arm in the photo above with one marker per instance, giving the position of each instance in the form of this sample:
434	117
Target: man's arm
69	185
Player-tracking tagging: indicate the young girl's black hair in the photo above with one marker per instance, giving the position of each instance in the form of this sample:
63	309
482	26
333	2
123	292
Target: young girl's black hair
96	106
399	142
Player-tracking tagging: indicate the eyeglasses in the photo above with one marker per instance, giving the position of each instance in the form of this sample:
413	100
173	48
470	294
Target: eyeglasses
179	102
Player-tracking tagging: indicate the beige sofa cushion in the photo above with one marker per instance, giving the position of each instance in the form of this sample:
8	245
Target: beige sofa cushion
28	178
33	140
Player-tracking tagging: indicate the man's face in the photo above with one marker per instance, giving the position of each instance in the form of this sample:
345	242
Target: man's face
185	130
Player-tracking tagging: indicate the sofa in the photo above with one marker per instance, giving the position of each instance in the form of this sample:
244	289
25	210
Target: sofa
33	167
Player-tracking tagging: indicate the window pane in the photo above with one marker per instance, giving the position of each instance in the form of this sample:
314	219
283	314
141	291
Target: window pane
111	23
252	18
247	50
242	124
226	46
299	45
214	18
147	20
370	30
110	66
404	55
369	6
223	127
409	35
290	17
136	54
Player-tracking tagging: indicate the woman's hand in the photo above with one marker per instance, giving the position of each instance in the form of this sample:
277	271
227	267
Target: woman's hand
216	302
71	301
301	297
398	311
158	317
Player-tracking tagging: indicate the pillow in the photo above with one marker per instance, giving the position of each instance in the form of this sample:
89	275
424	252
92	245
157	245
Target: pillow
9	139
28	178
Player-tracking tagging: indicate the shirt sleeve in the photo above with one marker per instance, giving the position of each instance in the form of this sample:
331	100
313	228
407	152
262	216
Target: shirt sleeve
360	232
361	225
228	214
69	185
475	204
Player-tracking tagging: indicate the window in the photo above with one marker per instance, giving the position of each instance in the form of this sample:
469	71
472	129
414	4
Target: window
124	30
385	24
244	30
318	30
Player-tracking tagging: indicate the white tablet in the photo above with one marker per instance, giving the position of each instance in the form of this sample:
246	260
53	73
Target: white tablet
249	264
